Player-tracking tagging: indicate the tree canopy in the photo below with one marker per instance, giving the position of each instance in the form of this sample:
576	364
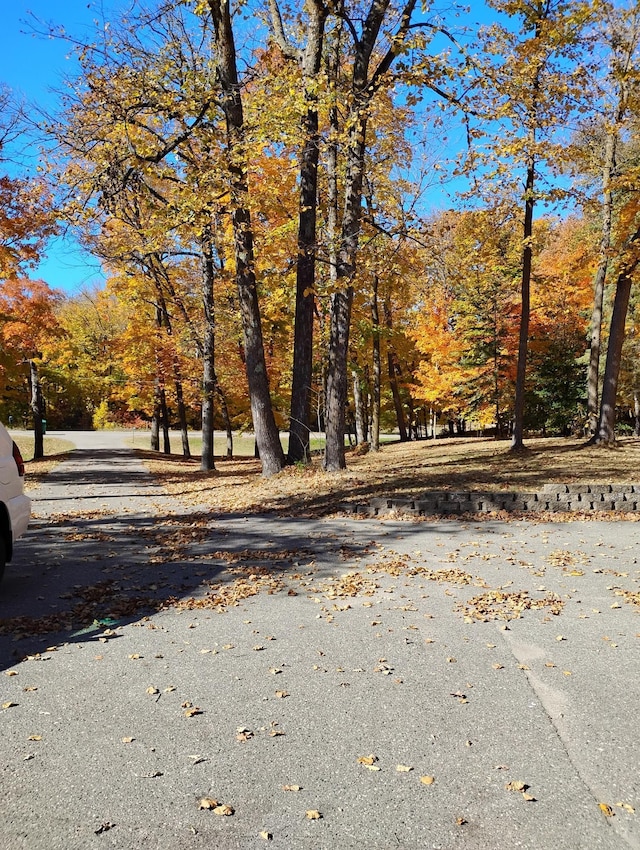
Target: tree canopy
264	187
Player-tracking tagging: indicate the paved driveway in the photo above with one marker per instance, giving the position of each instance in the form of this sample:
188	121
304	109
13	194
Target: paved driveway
154	657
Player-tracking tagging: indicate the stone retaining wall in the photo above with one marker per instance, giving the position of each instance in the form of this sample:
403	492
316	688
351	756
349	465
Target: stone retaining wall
553	497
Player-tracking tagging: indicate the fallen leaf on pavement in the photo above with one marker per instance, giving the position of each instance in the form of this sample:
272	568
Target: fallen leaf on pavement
403	768
207	803
128	740
427	780
243	734
266	835
516	786
291	787
9	704
225	810
367	760
606	810
313	814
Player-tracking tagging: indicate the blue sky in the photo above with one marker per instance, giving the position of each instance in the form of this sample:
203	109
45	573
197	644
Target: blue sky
32	66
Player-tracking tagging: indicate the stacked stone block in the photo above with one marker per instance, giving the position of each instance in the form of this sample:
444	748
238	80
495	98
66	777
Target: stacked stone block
623	498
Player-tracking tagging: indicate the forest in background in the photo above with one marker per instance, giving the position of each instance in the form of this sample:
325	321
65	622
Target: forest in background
257	181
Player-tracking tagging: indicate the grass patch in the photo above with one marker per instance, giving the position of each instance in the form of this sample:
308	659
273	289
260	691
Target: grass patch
55	451
399	469
243	444
53	446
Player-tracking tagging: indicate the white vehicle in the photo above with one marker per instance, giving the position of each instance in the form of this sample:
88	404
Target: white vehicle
15	507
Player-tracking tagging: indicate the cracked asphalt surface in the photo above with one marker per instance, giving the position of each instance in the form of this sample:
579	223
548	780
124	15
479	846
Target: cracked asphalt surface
153	656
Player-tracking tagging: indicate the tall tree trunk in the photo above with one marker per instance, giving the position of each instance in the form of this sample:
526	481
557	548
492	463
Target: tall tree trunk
636	413
532	120
596	335
182	414
606	423
155	418
608	173
224	410
377	369
310	60
336	393
599	281
392	367
334	407
342	301
411	423
358	404
37	409
264	424
164	419
156	270
525	310
363	86
208	353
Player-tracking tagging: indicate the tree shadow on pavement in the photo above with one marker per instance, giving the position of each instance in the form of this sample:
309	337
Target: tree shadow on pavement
76	575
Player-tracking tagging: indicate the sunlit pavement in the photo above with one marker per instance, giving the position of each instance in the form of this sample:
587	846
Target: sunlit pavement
191	657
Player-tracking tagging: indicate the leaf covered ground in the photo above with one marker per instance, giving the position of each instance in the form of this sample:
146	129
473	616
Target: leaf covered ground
401	469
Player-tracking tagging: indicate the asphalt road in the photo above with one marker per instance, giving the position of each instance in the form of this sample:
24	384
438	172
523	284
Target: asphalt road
137	637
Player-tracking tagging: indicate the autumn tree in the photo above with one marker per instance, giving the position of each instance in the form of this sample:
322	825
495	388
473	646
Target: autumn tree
525	102
26	218
83	358
230	86
139	164
604	164
561	300
626	271
26	307
621	31
376	42
27	324
308	56
390	264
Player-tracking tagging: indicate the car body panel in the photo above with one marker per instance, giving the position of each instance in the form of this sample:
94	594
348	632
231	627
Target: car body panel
12	495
